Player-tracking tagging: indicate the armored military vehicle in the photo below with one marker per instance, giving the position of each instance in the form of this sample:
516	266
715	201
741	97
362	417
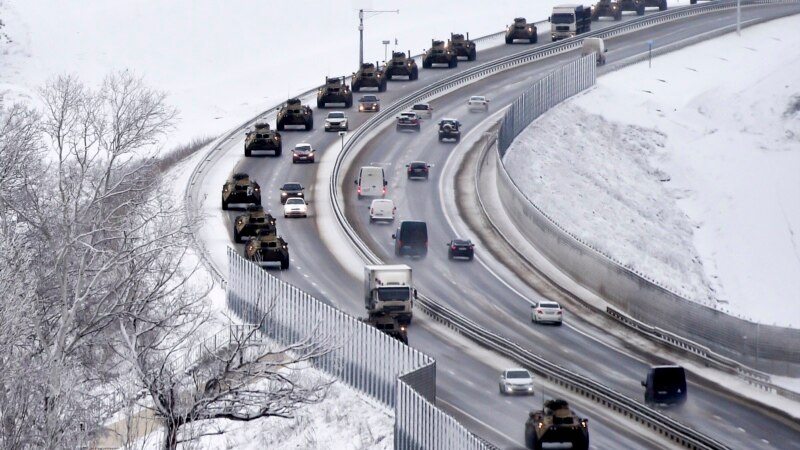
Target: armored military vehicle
262	137
632	5
388	324
449	129
464	46
606	8
293	112
661	4
240	189
369	75
556	423
441	52
335	90
248	224
401	66
266	246
521	29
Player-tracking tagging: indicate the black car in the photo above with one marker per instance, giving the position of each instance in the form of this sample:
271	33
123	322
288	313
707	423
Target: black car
418	169
292	189
460	248
665	385
411	238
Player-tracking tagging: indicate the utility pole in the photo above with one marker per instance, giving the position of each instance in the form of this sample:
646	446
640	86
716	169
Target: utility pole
738	17
361	30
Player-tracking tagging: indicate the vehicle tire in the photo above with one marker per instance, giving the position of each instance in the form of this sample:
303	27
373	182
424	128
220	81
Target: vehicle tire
640	11
279	126
458	139
509	40
278	152
356	86
470	257
662	6
618	16
236	237
294	161
558	324
310	125
500	389
224	204
692	2
414	74
285	263
248	152
426	64
473	55
534	39
312	160
320	104
348	103
454	62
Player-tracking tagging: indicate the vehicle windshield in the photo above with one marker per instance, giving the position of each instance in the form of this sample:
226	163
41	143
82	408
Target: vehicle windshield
292	187
295	201
548	305
421	107
336	115
303	147
562	18
669	378
394	293
369	98
477	99
518	374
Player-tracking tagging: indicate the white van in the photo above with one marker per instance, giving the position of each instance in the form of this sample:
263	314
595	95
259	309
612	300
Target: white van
382	209
371	182
595	45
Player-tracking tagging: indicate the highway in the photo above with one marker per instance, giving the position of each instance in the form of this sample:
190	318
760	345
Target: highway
484	290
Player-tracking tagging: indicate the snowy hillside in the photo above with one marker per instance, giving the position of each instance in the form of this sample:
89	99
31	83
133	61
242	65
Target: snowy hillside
687	171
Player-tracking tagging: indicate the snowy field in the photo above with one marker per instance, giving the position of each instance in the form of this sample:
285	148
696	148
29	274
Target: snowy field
688	171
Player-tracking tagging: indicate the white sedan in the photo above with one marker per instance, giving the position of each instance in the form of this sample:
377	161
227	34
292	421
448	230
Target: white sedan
295	207
478	103
516	381
546	311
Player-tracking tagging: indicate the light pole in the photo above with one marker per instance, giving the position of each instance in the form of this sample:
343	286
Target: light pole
341	135
385	50
361	30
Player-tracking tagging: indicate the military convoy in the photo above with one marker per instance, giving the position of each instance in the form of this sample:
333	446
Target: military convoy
247	225
262	137
401	66
369	75
521	29
335	90
240	189
266	246
441	52
556	423
463	46
293	112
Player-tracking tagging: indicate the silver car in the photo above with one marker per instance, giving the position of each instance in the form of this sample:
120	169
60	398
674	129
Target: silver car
546	311
516	381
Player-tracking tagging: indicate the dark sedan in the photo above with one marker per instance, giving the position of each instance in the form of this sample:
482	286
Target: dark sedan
460	248
418	169
292	189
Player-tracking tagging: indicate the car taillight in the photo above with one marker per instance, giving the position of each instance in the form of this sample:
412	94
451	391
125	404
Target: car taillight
559	312
372	211
539	311
384	189
452	247
359	189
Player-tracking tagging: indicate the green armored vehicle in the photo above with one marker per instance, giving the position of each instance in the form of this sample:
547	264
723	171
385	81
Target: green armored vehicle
606	8
632	5
521	29
240	189
266	246
248	225
369	75
401	66
389	325
441	52
464	46
295	113
556	423
335	90
262	137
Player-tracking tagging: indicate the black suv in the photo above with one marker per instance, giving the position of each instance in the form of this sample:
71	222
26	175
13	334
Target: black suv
418	169
449	129
292	189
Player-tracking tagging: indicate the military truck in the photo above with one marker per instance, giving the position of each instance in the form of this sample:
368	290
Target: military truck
521	29
248	224
240	189
389	325
464	46
369	75
293	112
265	247
632	5
661	4
262	137
606	8
449	129
335	90
401	65
556	423
441	52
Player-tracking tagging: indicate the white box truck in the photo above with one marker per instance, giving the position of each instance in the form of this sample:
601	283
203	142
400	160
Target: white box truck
388	290
569	21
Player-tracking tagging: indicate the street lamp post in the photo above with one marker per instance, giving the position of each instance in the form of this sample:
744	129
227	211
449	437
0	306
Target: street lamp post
385	50
341	135
361	30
